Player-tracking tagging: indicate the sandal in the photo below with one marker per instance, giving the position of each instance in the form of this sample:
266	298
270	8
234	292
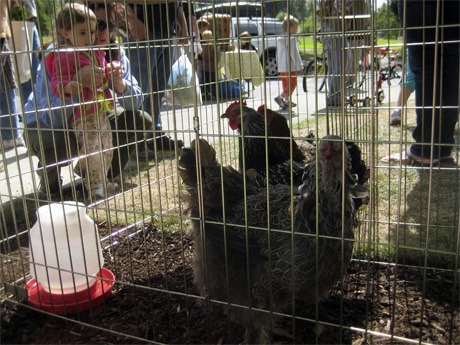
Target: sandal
398	157
407	158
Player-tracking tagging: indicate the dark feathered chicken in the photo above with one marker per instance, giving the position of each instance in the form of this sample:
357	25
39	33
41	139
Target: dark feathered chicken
279	127
256	141
261	248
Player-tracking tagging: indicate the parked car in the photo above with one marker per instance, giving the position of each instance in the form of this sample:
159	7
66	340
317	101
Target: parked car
251	17
264	32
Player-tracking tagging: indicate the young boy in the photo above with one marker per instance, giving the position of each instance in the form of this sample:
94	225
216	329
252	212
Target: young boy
289	61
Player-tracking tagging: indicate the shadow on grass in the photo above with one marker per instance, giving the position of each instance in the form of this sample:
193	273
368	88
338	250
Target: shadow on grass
428	229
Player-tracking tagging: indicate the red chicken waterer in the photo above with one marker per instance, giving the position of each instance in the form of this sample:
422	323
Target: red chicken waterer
71	302
66	261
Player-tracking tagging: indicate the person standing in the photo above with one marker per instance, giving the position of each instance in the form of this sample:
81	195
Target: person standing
150	54
342	25
9	117
289	61
31	10
432	37
433	42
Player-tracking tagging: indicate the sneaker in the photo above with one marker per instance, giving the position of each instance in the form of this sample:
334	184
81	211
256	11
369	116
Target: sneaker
395	118
280	101
11	143
290	104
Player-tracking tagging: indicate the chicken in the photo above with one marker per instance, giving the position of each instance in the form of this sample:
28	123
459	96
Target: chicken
279	127
263	247
257	143
255	138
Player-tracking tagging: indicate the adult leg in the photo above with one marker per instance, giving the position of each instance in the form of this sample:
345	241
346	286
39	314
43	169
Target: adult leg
156	56
435	68
334	53
9	119
128	127
26	88
53	148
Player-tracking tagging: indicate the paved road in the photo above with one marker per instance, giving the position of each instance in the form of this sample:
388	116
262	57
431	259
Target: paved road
19	179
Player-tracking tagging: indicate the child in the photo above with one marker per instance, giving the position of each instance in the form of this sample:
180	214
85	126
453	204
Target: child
210	60
289	61
245	41
76	26
202	25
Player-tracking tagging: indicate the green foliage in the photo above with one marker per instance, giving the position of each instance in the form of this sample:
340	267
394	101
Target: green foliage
300	9
46	12
19	13
307	26
387	22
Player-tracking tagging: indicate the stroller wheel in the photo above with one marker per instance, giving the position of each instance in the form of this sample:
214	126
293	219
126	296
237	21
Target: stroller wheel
353	100
380	96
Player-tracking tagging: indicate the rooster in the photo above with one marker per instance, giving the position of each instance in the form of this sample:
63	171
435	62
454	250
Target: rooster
258	248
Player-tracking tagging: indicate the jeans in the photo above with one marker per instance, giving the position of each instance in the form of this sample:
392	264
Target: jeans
9	123
26	88
151	66
436	70
334	45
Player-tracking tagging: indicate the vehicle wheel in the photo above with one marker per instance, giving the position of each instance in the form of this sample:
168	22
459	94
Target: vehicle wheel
317	69
271	66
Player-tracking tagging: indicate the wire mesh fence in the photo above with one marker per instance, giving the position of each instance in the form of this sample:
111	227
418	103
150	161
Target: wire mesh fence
162	184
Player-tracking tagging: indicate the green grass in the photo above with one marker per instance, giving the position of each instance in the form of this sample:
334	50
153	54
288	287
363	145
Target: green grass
307	46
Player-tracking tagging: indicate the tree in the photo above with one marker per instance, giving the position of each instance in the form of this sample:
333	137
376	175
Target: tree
387	22
47	12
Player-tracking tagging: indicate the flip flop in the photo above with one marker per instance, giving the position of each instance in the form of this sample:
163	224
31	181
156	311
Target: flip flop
407	158
398	157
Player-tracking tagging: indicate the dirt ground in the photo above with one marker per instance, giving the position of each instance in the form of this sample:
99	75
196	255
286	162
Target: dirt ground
155	300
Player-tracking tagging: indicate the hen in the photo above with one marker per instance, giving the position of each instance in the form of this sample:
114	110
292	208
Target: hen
259	143
279	127
256	140
257	249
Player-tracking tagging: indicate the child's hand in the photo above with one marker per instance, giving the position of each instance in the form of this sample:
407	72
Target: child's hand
73	88
115	72
90	76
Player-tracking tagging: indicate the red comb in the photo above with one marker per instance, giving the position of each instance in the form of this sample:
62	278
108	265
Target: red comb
233	106
261	109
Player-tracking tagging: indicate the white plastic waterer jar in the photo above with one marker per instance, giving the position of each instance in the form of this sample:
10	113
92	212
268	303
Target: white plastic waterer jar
65	250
